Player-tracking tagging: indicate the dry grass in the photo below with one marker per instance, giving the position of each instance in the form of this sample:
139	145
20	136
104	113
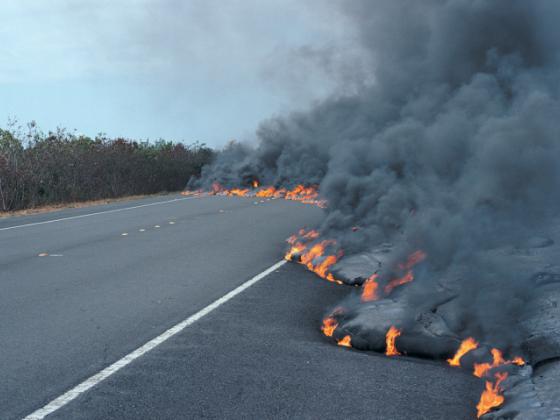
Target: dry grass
76	205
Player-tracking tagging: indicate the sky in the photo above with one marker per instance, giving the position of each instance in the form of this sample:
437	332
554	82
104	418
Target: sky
183	70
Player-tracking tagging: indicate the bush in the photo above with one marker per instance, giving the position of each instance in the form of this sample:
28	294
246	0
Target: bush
38	169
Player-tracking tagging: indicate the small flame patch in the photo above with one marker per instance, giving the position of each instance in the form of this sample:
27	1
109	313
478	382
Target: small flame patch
346	341
466	346
492	395
391	348
329	325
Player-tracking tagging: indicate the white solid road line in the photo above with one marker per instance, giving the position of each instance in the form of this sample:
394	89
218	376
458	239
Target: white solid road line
119	364
95	214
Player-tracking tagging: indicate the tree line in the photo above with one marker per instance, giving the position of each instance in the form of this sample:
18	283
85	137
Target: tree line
39	169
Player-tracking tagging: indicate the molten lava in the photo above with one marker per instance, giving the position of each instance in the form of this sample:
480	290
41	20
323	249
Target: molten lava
391	348
329	325
237	192
491	396
267	192
407	278
301	193
345	342
481	369
320	255
314	254
466	346
369	291
413	259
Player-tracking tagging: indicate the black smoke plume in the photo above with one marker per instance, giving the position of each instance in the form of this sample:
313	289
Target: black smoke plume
453	149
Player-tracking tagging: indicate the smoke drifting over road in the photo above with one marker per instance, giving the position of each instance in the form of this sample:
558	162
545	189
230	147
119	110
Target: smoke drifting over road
453	150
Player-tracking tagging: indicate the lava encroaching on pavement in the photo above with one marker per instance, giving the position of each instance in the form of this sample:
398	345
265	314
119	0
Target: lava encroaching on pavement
437	176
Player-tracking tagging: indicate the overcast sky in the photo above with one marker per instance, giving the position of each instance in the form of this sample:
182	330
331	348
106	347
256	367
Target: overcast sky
206	70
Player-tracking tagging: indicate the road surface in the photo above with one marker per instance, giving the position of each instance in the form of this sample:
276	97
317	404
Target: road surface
83	288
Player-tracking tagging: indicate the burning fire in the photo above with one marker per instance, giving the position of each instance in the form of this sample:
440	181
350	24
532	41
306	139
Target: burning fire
301	193
407	278
314	254
319	255
329	325
267	192
237	192
369	291
345	342
413	259
467	345
491	396
391	348
371	285
480	369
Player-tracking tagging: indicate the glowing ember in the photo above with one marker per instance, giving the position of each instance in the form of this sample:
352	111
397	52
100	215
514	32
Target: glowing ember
491	396
329	325
481	369
466	346
345	342
255	183
369	291
391	348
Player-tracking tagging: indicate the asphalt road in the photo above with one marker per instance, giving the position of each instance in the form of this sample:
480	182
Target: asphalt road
99	295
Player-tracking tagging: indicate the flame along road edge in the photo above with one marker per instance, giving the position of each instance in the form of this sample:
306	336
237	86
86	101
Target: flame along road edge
89	383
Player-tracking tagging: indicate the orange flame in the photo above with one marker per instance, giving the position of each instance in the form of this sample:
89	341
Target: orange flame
391	348
238	192
329	325
316	250
467	345
266	192
299	242
369	291
481	369
413	259
191	193
313	254
491	396
345	342
307	195
407	278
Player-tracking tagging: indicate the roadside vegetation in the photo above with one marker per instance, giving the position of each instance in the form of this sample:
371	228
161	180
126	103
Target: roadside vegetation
38	169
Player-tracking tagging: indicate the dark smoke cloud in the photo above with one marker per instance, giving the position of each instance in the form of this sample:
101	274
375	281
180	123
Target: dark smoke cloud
453	150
